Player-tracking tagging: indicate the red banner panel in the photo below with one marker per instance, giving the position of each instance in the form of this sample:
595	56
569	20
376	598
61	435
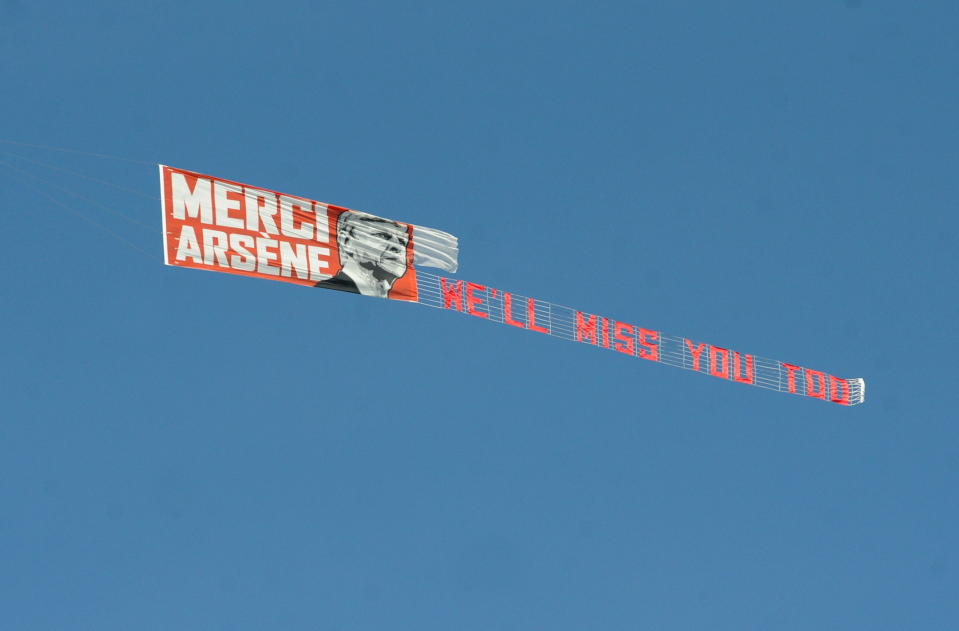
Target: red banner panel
224	226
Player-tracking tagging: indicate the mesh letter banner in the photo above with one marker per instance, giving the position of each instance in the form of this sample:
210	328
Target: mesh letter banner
573	325
220	225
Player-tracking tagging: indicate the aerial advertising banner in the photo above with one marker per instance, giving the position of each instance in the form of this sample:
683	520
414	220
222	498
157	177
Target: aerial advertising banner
570	324
220	225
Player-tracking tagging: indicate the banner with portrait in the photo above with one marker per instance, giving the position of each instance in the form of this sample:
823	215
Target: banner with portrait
220	225
225	226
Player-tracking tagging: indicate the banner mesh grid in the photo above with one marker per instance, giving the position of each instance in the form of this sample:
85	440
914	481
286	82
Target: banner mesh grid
568	324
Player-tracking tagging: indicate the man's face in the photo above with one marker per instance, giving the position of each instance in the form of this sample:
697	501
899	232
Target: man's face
379	244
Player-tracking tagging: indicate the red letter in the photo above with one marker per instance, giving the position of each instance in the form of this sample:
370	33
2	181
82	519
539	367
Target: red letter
474	300
842	391
629	347
605	329
585	329
531	317
714	352
810	389
649	350
695	352
749	369
508	310
791	375
452	292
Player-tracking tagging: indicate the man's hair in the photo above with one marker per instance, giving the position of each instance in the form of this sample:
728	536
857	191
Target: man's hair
347	223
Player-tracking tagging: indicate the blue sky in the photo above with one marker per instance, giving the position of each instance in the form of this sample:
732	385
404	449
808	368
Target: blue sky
181	449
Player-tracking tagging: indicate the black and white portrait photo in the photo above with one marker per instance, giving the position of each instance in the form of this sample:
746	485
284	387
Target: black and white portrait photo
372	254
